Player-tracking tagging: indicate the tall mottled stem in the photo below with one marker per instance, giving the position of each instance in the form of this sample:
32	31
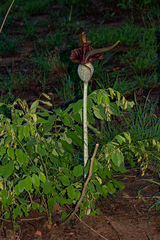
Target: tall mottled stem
85	129
85	73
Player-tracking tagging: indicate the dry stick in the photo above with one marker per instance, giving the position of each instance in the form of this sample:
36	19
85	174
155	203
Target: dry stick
84	189
24	219
89	226
117	233
6	16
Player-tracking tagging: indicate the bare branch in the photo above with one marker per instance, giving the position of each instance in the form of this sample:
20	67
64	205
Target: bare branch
84	189
6	16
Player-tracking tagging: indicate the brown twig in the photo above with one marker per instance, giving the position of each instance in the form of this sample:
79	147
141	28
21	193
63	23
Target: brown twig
31	219
92	229
84	189
6	16
23	219
137	210
109	223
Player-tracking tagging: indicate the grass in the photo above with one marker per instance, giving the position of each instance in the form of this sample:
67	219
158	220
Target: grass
9	44
53	31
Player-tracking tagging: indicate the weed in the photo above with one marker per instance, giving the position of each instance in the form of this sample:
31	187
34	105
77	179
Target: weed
30	28
144	80
36	7
9	44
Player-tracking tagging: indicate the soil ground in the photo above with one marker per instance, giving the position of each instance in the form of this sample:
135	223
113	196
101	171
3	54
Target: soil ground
126	218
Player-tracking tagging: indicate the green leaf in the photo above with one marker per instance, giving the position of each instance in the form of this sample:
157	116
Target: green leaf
61	200
117	157
115	168
47	126
34	106
99	98
71	191
77	195
90	118
20	133
34	169
127	135
122	168
6	215
114	109
26	130
46	96
2	150
101	173
120	139
67	146
77	106
47	188
35	180
98	133
96	195
98	186
47	103
35	206
28	183
89	105
98	211
42	177
8	169
8	140
76	140
42	120
41	208
95	165
91	187
21	200
112	92
110	188
66	119
51	202
17	192
106	99
64	215
21	185
108	172
10	152
9	199
81	215
97	112
3	196
16	212
92	214
65	180
21	156
78	171
118	184
76	117
65	138
92	204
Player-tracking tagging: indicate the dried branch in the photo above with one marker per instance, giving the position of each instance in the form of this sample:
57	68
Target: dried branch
6	16
84	189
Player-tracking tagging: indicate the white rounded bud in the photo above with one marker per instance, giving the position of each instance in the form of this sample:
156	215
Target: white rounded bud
85	71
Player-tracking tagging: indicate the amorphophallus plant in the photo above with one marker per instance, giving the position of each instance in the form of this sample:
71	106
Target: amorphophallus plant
85	56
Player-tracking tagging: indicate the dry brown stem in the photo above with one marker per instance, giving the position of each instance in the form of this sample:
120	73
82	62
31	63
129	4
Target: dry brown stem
84	189
6	16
